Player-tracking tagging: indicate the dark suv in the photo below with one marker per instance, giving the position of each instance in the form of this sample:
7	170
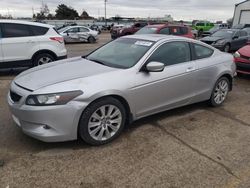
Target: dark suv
166	29
127	30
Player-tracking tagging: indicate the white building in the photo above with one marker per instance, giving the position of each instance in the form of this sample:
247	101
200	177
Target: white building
242	13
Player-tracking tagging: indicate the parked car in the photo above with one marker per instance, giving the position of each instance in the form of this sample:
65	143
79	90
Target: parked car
78	34
227	39
216	28
129	30
247	30
96	28
26	44
203	26
93	97
242	60
241	26
167	29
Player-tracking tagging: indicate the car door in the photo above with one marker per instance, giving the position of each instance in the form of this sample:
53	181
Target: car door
84	33
206	71
71	35
243	38
236	41
17	42
158	91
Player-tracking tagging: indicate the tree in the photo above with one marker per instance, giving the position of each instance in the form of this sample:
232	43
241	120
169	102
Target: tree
85	15
65	12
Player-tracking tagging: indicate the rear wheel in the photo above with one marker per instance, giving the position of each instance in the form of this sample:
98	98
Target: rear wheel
42	59
102	121
220	92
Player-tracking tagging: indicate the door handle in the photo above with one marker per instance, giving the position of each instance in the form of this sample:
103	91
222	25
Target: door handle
190	69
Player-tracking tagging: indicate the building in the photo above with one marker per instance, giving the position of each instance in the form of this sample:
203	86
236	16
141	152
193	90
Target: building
242	13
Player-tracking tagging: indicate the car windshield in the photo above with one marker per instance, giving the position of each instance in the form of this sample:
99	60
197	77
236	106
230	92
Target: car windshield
121	53
147	30
63	29
224	33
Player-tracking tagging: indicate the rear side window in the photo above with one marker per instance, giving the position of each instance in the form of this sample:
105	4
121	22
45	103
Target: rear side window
165	31
176	31
172	53
202	51
82	29
15	30
184	30
38	31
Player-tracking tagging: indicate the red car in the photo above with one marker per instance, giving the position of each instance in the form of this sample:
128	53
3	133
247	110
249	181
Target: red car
242	59
166	29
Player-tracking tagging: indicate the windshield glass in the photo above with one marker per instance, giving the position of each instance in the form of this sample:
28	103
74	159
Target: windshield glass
147	30
121	53
224	33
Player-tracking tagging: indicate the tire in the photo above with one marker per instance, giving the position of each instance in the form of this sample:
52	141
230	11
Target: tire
220	92
200	32
91	40
227	48
95	128
42	59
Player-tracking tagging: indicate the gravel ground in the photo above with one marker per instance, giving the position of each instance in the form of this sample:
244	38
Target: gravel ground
194	146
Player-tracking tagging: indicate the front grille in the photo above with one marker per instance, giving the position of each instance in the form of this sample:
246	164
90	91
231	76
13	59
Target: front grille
243	67
15	97
245	57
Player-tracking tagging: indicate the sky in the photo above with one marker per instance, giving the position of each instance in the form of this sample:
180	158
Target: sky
212	10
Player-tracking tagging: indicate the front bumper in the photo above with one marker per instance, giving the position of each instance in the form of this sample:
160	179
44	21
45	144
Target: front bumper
46	123
243	65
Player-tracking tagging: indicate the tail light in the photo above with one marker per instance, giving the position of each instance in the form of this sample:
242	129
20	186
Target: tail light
57	39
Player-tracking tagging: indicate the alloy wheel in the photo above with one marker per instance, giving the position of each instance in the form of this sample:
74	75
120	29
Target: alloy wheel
44	60
104	122
221	91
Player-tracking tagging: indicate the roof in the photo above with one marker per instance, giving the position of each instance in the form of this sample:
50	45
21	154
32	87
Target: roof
241	3
165	25
155	37
25	22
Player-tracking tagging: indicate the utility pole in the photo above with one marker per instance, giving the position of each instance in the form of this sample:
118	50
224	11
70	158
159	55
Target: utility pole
105	7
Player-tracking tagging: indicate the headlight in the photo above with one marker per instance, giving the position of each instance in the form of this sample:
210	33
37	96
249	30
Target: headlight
237	54
52	99
220	41
121	31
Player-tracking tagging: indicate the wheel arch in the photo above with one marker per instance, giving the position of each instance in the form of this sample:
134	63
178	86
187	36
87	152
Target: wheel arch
121	99
41	52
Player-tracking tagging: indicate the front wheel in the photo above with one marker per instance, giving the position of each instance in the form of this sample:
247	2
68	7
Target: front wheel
91	39
102	121
220	92
227	48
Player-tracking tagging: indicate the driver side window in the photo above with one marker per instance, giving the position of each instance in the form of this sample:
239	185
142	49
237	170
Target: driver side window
172	53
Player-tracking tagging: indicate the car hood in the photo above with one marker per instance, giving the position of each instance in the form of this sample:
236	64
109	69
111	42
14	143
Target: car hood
212	39
59	71
245	51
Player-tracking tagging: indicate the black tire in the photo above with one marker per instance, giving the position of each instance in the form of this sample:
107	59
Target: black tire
212	100
83	129
227	48
46	56
200	33
91	40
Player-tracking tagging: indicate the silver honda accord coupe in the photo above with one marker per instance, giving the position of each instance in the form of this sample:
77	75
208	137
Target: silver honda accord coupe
93	97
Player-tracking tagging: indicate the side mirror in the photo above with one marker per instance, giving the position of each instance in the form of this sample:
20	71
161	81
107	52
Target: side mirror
155	67
235	37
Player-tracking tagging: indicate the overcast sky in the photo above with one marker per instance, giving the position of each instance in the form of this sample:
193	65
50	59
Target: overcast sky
212	10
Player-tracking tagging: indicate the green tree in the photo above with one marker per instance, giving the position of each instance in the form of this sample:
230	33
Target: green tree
65	12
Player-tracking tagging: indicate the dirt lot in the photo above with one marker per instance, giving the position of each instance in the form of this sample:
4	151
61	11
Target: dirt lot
194	146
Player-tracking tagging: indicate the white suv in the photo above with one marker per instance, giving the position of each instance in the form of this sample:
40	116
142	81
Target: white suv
24	44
